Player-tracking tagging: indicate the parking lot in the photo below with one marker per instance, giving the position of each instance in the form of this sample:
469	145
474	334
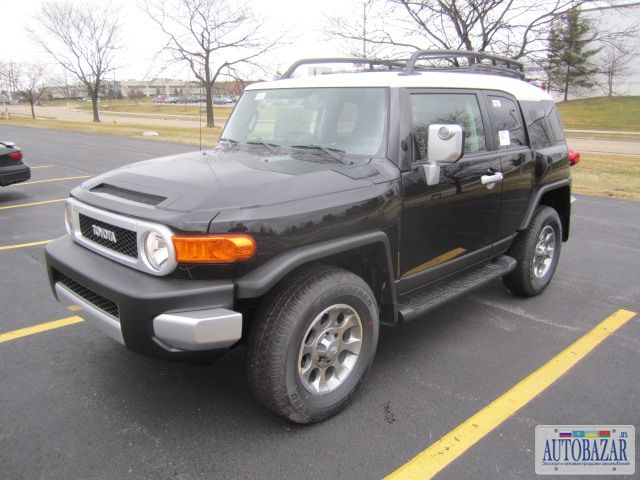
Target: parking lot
75	404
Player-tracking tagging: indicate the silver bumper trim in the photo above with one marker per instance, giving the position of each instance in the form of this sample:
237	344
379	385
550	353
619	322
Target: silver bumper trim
96	317
199	329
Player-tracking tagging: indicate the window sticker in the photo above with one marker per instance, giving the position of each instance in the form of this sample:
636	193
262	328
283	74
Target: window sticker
505	139
261	95
496	103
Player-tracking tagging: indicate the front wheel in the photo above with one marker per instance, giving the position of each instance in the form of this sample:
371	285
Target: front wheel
312	343
537	251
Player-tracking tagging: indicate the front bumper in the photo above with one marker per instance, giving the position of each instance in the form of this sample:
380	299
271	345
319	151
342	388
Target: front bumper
14	174
155	316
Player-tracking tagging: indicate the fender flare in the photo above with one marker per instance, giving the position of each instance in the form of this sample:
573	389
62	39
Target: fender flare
260	280
536	200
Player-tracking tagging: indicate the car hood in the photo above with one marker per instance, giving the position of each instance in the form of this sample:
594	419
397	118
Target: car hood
204	183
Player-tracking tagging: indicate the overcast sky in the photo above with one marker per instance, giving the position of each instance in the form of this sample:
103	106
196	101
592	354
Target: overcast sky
302	20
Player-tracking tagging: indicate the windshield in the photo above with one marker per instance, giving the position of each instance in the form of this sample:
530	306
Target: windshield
347	120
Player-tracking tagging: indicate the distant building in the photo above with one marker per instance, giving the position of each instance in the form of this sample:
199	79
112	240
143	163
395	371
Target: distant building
159	86
176	88
58	92
619	17
611	18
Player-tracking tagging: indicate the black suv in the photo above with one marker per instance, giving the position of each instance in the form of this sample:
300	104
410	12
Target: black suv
332	204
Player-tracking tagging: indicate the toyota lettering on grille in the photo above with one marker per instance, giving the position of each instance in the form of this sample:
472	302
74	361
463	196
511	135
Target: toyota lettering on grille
104	233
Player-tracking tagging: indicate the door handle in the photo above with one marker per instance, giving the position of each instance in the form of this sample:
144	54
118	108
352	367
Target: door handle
487	179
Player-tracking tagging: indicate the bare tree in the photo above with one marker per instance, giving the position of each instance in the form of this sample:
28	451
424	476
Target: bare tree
211	37
514	28
615	64
30	83
364	31
82	37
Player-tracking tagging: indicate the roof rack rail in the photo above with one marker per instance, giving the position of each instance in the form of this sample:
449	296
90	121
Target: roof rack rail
478	62
498	65
398	64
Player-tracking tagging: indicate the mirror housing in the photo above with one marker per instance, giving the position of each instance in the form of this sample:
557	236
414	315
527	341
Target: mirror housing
446	145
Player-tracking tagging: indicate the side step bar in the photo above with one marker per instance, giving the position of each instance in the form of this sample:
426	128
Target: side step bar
415	303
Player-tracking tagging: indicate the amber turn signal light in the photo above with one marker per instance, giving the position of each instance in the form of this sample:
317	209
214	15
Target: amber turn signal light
213	248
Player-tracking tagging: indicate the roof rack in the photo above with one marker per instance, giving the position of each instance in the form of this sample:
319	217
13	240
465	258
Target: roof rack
478	62
371	62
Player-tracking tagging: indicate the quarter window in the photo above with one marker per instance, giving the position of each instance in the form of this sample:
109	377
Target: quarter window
543	123
447	108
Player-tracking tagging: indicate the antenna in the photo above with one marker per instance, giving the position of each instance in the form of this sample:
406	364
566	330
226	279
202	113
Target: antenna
200	111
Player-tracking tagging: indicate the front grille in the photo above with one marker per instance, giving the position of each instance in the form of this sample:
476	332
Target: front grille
126	240
140	197
90	296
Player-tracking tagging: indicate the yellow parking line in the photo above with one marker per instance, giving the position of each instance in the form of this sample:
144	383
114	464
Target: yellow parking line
9	207
23	245
42	166
444	451
52	180
43	327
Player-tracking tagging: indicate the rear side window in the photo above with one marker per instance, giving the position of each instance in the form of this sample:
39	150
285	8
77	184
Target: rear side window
543	123
556	124
507	122
447	108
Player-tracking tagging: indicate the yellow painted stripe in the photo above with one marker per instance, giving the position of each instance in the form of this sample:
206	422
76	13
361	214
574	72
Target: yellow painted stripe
43	327
52	180
9	207
23	245
444	451
42	166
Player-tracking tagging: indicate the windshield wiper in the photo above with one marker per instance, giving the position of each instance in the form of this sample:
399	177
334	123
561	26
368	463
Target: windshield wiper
334	152
263	143
229	140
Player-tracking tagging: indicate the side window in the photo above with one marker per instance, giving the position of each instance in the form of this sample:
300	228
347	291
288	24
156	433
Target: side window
556	124
506	122
535	117
450	108
543	123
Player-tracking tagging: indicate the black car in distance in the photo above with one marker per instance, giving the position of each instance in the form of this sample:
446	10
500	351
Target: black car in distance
12	168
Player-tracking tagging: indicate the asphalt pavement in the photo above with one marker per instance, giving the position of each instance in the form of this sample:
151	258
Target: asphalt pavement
75	404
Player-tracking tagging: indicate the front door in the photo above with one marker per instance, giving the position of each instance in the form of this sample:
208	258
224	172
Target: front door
454	222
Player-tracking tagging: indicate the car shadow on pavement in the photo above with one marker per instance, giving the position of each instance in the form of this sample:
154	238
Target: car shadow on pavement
218	395
11	195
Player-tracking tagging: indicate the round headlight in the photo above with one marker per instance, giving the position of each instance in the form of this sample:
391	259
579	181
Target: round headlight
156	250
68	218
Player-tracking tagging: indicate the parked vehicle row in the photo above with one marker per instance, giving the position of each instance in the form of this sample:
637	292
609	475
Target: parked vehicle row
217	100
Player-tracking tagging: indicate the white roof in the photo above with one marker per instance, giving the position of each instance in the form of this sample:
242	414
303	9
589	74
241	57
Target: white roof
519	89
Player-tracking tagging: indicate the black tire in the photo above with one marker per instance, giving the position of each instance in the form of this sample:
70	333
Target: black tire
282	325
525	280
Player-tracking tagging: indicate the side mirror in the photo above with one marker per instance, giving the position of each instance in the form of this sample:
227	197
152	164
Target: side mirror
446	145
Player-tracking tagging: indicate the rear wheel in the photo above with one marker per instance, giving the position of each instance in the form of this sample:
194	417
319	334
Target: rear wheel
537	251
312	343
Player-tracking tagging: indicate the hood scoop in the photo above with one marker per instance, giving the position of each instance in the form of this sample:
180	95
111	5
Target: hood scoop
131	195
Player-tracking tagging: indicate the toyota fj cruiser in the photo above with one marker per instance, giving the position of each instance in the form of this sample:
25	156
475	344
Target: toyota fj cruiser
331	205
